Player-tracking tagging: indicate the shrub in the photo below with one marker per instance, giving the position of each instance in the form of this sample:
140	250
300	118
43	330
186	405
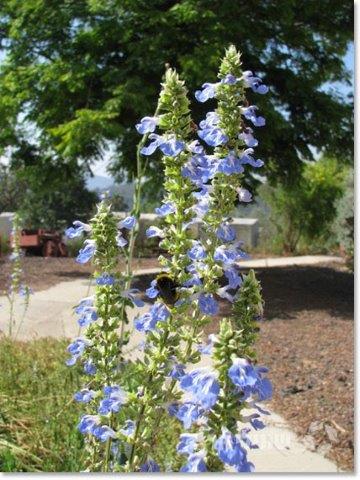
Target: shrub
303	211
344	222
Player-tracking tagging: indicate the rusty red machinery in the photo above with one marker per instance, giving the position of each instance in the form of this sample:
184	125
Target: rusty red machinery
47	243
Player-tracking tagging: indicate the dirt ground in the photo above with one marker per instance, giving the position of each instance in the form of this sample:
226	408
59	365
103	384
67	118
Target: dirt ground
306	340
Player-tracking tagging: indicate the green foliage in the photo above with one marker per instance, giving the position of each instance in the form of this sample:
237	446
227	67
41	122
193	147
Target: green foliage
44	192
81	73
344	222
38	417
303	211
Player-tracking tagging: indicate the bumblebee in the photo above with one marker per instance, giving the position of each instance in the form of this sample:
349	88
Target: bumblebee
167	288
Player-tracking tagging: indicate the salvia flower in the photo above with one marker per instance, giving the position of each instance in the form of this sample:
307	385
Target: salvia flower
148	321
203	386
207	304
80	227
114	398
165	209
250	114
76	349
208	91
87	252
154	232
128	222
147	125
229	449
84	395
105	279
188	443
195	463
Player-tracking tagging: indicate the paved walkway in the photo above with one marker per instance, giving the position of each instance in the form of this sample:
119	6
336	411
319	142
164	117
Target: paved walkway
51	314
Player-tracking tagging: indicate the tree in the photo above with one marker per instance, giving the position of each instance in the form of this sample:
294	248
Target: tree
81	73
46	193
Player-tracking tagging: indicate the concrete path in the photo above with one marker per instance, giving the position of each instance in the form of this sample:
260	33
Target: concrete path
51	313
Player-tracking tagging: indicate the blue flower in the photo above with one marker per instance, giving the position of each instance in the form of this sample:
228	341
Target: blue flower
245	467
244	195
246	158
150	149
227	256
84	395
244	437
199	169
120	240
177	371
114	398
250	114
229	449
255	83
152	291
208	91
226	232
149	466
247	137
148	321
242	373
88	316
213	136
229	79
130	294
129	428
165	209
203	385
76	349
88	423
187	412
128	223
187	443
24	291
89	367
172	147
80	227
105	279
87	252
195	147
103	433
197	252
211	120
257	424
147	125
195	463
207	304
250	379
233	277
84	304
230	165
154	232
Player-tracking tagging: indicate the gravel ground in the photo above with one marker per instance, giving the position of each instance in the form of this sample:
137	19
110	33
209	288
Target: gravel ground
306	340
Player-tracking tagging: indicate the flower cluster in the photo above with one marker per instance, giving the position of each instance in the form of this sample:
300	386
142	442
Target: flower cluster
101	315
203	181
17	286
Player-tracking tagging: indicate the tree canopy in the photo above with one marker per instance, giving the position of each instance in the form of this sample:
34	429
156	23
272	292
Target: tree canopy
77	74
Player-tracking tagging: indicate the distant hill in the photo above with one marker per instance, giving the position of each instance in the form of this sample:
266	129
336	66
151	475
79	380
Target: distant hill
99	184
